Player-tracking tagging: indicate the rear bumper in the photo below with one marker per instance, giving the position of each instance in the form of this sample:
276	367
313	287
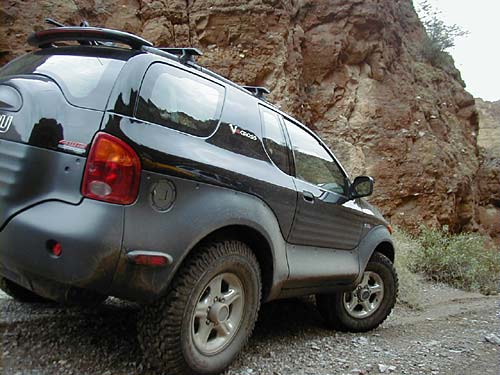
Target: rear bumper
91	237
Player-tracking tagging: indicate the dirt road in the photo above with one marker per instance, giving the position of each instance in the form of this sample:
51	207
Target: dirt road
446	336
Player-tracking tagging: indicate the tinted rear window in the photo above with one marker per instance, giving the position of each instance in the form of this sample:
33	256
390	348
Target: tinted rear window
85	76
180	100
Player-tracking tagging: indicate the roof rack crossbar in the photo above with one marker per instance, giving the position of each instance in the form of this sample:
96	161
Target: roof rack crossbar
53	22
45	38
257	91
185	54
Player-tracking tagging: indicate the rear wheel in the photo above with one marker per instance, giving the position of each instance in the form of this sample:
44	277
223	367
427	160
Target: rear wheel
207	316
20	293
366	307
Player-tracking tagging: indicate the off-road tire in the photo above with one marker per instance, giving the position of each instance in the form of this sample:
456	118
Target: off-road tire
20	293
332	308
164	328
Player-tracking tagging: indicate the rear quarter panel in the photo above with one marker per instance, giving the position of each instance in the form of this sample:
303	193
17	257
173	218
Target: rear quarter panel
198	210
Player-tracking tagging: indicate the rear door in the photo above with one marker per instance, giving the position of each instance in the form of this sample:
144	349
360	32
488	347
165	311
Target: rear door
58	94
51	105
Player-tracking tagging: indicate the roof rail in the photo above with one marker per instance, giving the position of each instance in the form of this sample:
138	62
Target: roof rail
186	54
45	38
257	91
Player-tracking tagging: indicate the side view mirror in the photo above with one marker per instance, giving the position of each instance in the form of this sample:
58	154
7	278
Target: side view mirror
362	186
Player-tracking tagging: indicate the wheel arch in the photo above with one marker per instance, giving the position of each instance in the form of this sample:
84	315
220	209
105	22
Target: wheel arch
258	243
386	248
377	240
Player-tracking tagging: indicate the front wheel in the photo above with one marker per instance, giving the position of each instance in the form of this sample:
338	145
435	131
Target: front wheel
366	307
207	316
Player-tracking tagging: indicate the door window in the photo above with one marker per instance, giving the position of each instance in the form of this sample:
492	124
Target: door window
180	100
313	163
274	139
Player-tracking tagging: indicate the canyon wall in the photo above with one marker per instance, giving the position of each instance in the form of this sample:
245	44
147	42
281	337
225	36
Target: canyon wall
351	70
488	210
489	126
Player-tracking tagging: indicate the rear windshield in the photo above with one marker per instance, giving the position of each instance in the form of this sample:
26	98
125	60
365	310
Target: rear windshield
85	75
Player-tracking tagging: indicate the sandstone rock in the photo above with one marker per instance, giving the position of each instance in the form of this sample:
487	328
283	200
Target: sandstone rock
489	126
488	176
492	338
382	368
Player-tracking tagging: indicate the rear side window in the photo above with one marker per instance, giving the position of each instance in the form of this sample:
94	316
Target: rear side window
86	78
274	139
180	100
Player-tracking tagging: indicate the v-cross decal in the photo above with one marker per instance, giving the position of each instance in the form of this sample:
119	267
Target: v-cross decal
236	130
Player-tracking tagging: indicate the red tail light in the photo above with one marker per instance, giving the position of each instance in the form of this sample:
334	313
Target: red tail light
112	172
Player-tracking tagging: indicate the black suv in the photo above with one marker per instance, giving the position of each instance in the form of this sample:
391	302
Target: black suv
130	171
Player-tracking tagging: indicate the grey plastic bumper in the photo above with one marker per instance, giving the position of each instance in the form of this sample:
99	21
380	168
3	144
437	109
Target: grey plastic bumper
90	234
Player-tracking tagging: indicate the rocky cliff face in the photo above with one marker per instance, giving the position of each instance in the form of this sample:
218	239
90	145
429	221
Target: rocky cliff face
349	69
488	212
489	126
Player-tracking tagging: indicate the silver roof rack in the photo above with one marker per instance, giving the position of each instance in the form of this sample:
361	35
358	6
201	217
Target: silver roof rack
257	91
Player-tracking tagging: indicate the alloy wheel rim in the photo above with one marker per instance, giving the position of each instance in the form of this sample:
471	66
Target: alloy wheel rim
365	300
218	313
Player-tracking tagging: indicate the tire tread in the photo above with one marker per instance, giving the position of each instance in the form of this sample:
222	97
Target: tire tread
330	305
160	323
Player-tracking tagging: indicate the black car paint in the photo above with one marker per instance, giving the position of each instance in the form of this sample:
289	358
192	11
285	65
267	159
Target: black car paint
46	117
25	179
90	235
223	180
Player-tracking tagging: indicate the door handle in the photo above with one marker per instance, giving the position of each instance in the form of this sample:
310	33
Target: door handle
308	196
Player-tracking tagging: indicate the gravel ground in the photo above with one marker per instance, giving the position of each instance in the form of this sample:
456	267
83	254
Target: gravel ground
446	336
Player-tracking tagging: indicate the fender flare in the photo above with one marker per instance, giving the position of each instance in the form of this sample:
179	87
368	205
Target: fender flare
262	220
378	236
